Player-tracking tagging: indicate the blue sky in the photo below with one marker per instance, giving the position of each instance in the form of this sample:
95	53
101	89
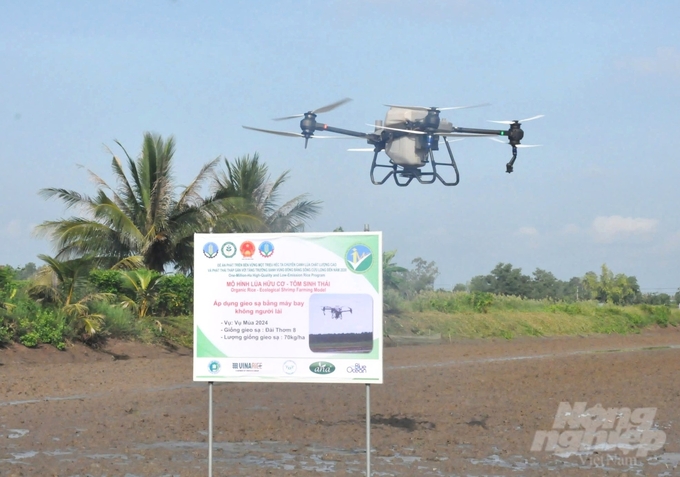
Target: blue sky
78	75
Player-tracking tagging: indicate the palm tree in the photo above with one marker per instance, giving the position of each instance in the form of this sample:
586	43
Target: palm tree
143	222
60	284
141	287
249	179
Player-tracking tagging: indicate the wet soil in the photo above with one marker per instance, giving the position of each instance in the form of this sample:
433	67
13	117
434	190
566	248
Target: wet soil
469	408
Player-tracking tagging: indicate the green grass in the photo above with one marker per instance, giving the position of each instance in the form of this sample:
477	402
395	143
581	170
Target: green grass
176	330
456	315
118	322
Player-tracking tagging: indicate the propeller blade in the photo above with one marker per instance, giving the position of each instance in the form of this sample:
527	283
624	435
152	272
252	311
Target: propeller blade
415	108
332	106
518	120
518	145
292	134
453	134
289	117
410	131
269	131
423	108
323	109
448	134
465	107
362	149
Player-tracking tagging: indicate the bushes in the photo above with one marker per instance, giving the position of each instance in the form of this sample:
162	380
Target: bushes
175	296
106	281
32	324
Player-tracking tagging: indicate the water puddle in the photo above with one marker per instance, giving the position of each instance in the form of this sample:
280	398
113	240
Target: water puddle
287	457
16	433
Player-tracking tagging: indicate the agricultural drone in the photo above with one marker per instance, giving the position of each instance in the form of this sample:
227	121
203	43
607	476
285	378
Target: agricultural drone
409	136
336	311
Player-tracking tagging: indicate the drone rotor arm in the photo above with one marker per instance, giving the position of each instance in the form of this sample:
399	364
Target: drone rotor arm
455	134
345	132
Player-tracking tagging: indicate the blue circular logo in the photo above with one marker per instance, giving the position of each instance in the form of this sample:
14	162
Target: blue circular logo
210	250
359	258
266	249
214	367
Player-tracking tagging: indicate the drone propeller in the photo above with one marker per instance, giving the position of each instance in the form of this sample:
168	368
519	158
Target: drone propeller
362	149
323	109
292	134
409	131
448	134
434	108
518	121
516	145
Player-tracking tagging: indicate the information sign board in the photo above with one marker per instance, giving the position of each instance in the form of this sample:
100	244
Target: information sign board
301	307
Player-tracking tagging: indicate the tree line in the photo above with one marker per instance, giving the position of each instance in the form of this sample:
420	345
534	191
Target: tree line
504	279
605	287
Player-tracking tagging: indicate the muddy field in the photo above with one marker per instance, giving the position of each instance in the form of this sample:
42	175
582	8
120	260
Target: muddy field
451	409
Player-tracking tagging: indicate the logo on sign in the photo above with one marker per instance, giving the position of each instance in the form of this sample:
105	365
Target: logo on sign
246	367
359	258
289	367
210	250
356	369
228	249
214	367
247	249
322	367
266	249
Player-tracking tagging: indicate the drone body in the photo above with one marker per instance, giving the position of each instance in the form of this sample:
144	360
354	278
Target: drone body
409	136
405	150
336	311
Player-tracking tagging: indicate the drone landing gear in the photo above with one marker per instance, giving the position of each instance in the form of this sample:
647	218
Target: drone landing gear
510	165
410	173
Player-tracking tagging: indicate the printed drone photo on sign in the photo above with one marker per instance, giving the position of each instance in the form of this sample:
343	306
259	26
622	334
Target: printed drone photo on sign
340	323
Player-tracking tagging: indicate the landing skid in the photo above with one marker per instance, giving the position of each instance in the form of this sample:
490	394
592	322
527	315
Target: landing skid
410	173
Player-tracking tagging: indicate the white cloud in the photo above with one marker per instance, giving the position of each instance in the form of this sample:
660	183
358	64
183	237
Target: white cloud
613	228
530	231
666	61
